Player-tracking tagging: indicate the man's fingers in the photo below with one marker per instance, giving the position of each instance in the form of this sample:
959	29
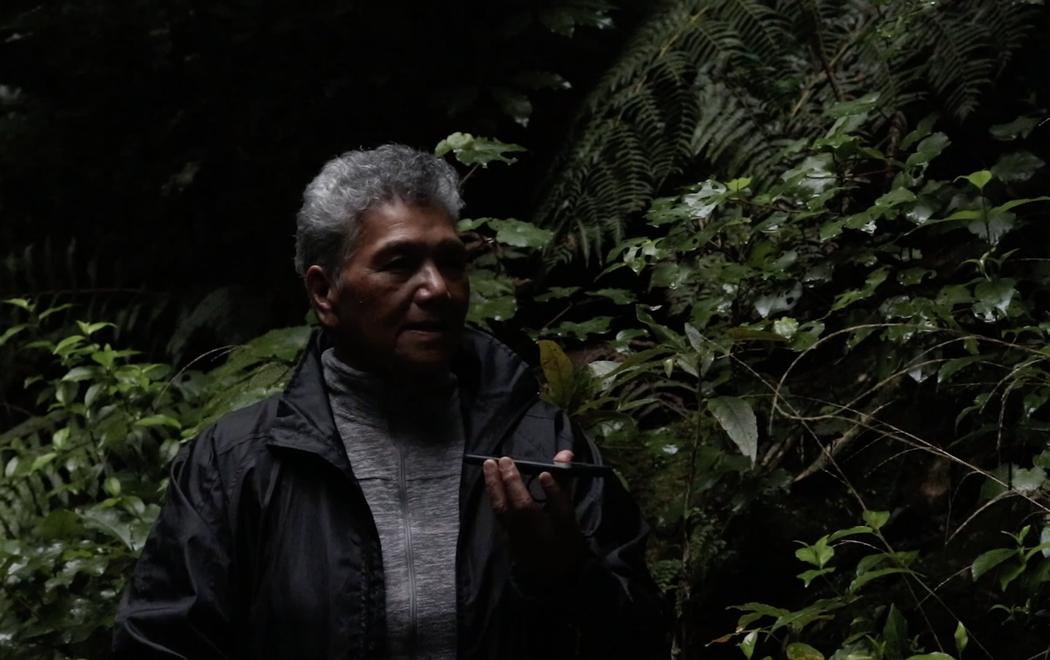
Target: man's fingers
564	456
494	486
518	495
559	506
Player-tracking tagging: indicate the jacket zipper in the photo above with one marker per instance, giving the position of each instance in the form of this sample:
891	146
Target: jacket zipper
406	524
461	586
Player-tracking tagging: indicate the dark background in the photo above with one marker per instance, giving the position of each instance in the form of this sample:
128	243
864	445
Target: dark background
152	153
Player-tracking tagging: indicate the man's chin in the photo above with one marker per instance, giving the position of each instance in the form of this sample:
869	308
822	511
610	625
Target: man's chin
413	371
422	361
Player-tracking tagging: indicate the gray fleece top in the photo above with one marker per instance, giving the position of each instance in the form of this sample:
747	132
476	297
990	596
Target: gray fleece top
405	447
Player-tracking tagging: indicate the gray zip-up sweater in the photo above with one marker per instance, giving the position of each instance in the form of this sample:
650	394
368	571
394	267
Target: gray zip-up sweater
405	447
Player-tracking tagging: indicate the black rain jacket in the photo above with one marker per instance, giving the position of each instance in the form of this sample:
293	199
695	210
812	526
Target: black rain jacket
266	548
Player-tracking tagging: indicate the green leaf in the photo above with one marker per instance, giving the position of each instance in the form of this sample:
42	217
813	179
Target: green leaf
738	419
895	197
42	460
928	149
88	329
21	303
936	655
952	367
989	560
696	340
992	297
1009	574
1018	128
961	638
77	374
747	646
513	103
112	486
471	150
876	519
537	80
850	531
60	437
1014	203
800	651
563	19
110	522
54	310
818	554
895	630
11	332
599	325
517	233
618	296
159	420
491	297
60	524
556	293
66	346
993	225
808	576
1027	480
1018	166
831	229
470	224
851	296
559	372
861	580
978	179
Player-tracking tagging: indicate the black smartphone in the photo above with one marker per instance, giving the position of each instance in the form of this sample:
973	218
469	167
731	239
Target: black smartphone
535	467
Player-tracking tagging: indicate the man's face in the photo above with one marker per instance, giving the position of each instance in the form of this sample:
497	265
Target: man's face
398	303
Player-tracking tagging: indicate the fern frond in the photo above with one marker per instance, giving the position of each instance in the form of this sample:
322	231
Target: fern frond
724	84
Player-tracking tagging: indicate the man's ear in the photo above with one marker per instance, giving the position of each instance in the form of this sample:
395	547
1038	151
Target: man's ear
322	292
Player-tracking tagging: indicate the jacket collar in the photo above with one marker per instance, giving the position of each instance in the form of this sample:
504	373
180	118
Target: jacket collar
496	386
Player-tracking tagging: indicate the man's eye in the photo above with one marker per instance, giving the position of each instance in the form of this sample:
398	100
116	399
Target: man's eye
399	264
454	264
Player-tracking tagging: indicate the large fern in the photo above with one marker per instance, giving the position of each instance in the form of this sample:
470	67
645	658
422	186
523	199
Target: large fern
720	86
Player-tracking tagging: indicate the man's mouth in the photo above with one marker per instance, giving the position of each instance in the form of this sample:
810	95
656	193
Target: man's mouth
427	326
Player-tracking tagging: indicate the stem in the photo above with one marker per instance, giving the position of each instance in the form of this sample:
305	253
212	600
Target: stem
684	591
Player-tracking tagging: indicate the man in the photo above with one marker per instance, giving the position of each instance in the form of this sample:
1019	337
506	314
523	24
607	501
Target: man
338	520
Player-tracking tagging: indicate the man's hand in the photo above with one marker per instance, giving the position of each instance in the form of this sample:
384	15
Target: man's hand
546	542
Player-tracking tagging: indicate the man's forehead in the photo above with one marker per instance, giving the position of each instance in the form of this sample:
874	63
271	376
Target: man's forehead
396	224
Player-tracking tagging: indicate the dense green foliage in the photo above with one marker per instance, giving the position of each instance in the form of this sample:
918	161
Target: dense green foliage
727	84
790	272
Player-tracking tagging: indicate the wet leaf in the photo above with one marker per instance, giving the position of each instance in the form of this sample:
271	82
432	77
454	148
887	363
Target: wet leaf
818	554
989	560
800	651
517	233
1018	166
471	150
738	420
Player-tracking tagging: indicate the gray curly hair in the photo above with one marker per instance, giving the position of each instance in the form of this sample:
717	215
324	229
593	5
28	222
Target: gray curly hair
349	185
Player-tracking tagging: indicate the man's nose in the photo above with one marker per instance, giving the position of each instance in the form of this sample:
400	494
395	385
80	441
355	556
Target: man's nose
433	285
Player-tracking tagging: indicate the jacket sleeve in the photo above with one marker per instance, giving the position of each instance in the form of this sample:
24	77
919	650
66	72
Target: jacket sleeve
178	601
617	608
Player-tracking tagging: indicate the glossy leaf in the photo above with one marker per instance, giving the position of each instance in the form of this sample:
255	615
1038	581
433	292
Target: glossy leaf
471	150
738	420
558	371
801	651
989	560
